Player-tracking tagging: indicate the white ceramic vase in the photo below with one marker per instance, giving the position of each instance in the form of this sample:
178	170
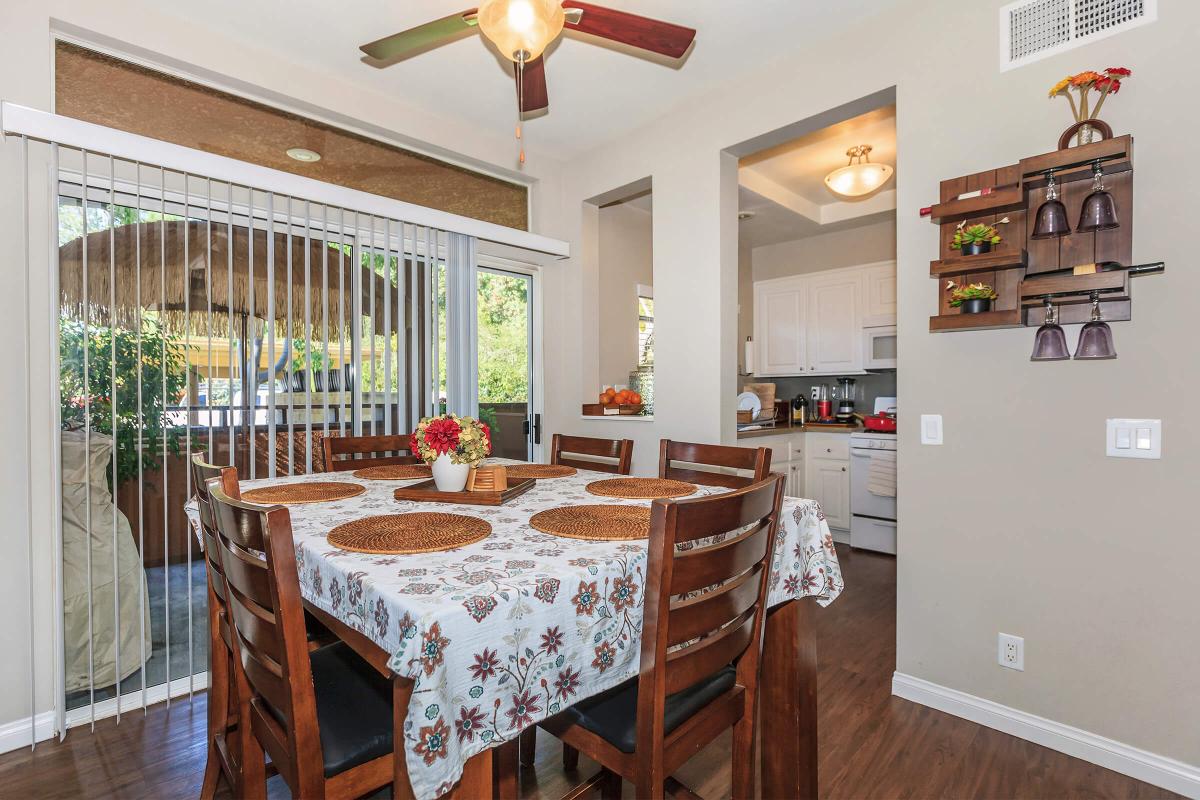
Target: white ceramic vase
448	476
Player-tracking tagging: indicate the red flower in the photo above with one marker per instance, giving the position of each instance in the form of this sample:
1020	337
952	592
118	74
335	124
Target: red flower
1118	72
487	435
442	435
523	709
567	683
468	722
1111	85
432	741
484	666
413	444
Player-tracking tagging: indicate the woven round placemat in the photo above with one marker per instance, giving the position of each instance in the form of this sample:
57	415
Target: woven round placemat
307	492
523	471
599	523
640	488
404	534
394	472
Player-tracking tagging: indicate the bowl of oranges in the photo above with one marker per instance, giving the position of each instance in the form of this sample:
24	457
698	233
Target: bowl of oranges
615	400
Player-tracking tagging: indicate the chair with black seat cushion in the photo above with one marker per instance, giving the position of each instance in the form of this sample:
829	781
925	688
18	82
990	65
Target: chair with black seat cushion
619	453
223	749
756	460
702	632
344	453
324	716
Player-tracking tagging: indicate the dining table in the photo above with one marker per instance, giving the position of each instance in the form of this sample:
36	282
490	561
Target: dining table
484	641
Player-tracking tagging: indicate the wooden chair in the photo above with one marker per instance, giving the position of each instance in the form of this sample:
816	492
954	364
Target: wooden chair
324	716
223	750
754	459
372	448
699	654
563	447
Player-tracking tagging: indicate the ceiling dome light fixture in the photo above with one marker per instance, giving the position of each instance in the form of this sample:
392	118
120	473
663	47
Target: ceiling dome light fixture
860	176
521	29
303	154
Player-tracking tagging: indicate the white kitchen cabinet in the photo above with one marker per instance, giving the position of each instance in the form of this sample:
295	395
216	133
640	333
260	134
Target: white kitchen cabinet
827	480
814	324
779	328
834	322
879	294
795	479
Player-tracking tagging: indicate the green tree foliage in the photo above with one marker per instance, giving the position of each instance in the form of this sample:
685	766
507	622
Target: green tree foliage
503	339
161	357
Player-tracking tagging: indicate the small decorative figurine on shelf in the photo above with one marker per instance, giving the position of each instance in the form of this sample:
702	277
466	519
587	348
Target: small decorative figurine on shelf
1087	121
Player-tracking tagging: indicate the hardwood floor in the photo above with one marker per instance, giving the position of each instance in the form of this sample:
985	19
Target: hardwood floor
873	745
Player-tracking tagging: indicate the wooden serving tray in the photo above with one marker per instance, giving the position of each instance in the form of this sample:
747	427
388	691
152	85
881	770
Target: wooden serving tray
426	492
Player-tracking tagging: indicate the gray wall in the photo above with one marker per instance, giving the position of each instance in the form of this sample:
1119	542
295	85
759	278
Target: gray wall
1018	523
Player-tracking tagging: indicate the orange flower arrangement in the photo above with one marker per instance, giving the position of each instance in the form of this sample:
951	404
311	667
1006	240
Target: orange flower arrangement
1106	83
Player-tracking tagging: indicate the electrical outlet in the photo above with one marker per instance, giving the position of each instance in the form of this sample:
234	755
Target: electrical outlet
1011	652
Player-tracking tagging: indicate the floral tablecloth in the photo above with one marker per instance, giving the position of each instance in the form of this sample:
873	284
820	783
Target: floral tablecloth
509	631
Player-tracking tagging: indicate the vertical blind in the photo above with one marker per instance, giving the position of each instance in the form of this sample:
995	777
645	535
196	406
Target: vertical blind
201	316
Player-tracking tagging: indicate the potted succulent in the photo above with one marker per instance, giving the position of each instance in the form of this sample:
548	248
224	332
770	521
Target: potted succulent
972	240
973	298
451	445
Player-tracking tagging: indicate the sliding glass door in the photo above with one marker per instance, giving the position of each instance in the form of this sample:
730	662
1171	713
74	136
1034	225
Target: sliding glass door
505	355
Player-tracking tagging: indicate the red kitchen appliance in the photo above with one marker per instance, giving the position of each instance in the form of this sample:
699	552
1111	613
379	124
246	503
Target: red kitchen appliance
883	422
884	418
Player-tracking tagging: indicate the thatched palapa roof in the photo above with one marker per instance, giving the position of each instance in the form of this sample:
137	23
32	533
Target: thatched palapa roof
155	276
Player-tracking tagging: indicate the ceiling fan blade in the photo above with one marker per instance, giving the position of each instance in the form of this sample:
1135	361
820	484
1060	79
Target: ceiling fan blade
536	97
644	33
421	38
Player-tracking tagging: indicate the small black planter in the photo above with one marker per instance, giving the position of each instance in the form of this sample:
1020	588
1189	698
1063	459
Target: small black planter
976	306
976	248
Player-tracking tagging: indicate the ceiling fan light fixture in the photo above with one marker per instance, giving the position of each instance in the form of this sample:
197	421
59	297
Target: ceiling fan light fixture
521	29
860	176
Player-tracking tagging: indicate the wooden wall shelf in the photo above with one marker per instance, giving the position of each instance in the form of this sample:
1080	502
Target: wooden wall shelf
1013	268
1068	289
988	320
1075	163
1005	198
987	262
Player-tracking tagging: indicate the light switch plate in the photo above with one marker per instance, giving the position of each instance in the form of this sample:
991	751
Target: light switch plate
1133	438
931	429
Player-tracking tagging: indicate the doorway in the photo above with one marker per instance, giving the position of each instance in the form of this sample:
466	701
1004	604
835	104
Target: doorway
506	364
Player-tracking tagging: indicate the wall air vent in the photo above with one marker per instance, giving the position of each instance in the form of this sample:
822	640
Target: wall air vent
1031	30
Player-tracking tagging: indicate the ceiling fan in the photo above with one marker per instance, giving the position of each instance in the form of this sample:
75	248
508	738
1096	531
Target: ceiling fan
522	29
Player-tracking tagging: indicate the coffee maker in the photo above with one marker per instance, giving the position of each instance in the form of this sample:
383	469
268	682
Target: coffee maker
845	400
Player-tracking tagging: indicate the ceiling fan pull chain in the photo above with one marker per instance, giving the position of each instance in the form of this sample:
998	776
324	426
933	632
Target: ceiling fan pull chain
520	105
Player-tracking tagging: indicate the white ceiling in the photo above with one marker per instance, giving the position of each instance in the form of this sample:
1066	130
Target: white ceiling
784	186
596	92
800	166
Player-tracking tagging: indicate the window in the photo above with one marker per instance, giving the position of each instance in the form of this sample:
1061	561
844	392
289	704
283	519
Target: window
645	327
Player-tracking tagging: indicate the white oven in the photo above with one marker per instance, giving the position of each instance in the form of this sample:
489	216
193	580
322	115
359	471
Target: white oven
873	491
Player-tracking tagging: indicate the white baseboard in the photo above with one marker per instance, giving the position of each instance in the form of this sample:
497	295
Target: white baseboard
1152	768
21	732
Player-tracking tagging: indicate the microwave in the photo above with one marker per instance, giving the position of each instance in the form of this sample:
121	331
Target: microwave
879	347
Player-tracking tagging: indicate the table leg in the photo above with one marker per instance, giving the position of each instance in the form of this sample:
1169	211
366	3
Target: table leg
788	701
402	689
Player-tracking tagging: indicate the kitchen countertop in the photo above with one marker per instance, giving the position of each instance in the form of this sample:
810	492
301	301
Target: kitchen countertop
788	430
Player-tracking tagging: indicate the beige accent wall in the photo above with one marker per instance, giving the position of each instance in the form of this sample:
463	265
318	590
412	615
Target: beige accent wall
1019	523
625	261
